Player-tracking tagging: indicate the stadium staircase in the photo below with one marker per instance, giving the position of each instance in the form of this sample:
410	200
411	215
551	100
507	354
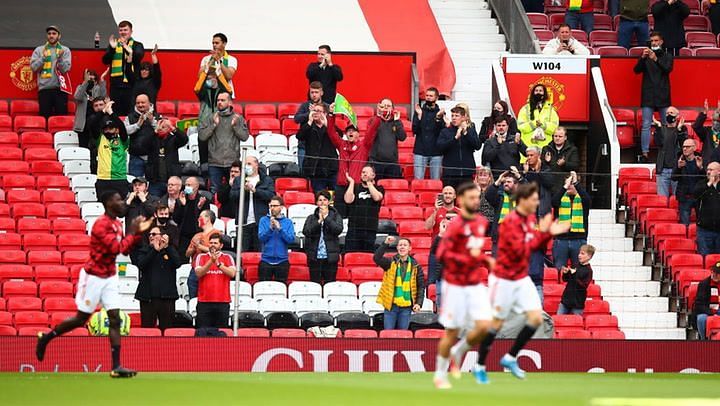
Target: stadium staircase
473	39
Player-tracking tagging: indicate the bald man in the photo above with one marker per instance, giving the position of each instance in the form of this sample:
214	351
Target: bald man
708	205
669	139
140	125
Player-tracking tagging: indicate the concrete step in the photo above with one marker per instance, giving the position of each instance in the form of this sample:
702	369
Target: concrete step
601	216
630	288
461	4
475	45
606	230
460	14
602	257
471	37
637	304
640	273
654	333
647	320
618	244
488	27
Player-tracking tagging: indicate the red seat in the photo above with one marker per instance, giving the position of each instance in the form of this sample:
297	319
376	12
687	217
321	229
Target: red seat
62	210
708	52
628	174
385	213
360	333
70	242
30	107
22	196
601	322
555	19
432	292
366	274
343	274
394	184
258	125
657	215
24	303
60	123
58	182
51	273
29	123
165	108
39	241
69	226
686	261
538	21
75	257
31	319
393	199
396	334
6	126
711	260
602	21
582	36
44	257
253	332
4	208
14	168
364	111
40	154
607	334
430	333
6	318
32	331
287	110
253	111
10	241
688	276
696	40
298	273
56	289
573	334
28	224
553	289
407	213
58	196
46	168
179	332
145	332
550	275
292	197
412	229
407	146
358	259
7	331
597	307
7	224
664	231
36	139
10	153
426	185
568	321
712	328
638	188
28	210
12	257
188	110
674	246
599	38
19	182
282	185
544	36
289	333
625	117
696	23
641	203
289	127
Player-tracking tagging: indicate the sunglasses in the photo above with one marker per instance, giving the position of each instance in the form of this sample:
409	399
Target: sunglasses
154	234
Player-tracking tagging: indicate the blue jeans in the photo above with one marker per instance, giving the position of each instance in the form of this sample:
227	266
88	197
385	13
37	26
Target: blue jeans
301	155
575	19
708	242
319	184
438	292
665	185
157	189
641	29
216	174
397	318
136	166
685	207
567	249
565	310
420	162
647	113
613	7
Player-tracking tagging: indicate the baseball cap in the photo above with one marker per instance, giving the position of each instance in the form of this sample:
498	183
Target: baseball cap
140	179
716	268
52	27
108	123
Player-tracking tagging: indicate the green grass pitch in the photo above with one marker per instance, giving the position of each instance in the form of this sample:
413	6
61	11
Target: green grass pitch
290	389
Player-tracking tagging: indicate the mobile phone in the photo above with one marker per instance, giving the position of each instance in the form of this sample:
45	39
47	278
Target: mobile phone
566	41
439	197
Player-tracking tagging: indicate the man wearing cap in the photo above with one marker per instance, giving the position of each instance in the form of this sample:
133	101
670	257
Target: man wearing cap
46	61
701	308
112	142
139	202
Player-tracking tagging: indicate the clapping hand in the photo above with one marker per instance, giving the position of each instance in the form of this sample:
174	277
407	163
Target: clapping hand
418	111
112	41
396	115
349	178
216	118
154	50
389	240
681	162
234	120
547	224
201	202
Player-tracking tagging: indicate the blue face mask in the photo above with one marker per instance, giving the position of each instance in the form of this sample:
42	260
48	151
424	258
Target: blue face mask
188	190
211	83
248	170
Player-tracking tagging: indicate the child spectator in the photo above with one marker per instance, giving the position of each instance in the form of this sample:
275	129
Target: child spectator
578	279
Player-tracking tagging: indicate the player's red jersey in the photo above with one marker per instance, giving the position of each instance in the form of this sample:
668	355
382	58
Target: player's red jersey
462	235
517	239
106	242
214	286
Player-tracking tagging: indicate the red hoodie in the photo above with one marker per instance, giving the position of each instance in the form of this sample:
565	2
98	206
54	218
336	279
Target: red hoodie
353	155
517	239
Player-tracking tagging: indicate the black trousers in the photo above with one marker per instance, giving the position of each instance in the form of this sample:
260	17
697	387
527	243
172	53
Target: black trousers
339	200
157	311
250	239
53	102
122	96
279	272
102	186
359	240
212	314
386	170
322	271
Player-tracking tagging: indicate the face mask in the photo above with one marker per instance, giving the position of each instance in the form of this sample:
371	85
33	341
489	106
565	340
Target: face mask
496	113
110	135
188	190
210	83
162	220
655	48
249	170
670	119
537	98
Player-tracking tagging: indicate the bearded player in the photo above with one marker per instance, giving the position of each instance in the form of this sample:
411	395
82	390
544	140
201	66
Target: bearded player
511	289
99	282
465	298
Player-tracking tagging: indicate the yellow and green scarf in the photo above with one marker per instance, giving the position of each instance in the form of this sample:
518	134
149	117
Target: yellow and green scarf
403	295
507	205
574	5
572	211
116	67
47	71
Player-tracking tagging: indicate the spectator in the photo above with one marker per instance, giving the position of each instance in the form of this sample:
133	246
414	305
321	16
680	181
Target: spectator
174	190
565	43
655	65
276	232
92	129
188	206
208	88
458	143
580	13
561	157
162	220
157	290
321	162
90	89
578	278
483	179
501	196
669	139
315	97
325	72
220	62
363	204
390	130
533	171
140	125
572	204
123	56
633	20
49	62
709	136
426	125
149	79
708	207
214	270
435	271
538	119
228	207
353	157
322	246
223	131
139	202
444	204
502	150
112	141
500	109
199	244
669	16
712	9
701	308
259	188
163	161
688	171
403	286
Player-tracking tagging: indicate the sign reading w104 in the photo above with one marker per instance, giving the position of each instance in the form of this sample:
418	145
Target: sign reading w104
529	64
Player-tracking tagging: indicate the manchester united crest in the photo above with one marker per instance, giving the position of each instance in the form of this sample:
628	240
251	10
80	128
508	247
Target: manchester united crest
22	75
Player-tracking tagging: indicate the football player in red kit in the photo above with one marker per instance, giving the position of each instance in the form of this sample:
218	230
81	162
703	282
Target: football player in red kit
465	298
510	286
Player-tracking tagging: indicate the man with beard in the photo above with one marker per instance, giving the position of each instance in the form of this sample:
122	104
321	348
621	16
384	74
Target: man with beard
426	125
537	119
48	61
140	125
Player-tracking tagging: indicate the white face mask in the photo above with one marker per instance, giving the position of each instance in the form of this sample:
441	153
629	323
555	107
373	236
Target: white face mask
654	48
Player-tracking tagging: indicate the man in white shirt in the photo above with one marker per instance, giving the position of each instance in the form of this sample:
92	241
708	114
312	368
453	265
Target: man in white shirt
565	44
220	61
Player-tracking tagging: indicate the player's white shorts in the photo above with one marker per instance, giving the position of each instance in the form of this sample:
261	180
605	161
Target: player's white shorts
518	296
463	305
93	290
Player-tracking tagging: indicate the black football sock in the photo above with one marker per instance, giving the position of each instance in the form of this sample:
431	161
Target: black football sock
115	350
485	346
525	335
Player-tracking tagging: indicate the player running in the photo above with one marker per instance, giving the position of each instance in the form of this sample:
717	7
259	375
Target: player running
99	282
465	298
510	286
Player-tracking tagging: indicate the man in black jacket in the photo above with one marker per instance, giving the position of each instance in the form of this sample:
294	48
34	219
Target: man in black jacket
458	143
157	291
688	171
140	125
325	72
322	245
578	278
139	202
259	188
315	96
163	161
701	308
669	16
669	139
655	65
123	55
384	153
708	207
502	150
188	207
561	157
321	159
426	125
709	136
